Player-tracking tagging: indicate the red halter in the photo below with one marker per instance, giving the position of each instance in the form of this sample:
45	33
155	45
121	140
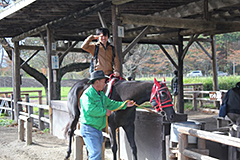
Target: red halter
157	89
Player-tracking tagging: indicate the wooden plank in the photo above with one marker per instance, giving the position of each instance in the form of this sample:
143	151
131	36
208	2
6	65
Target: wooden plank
231	141
14	8
119	2
167	22
67	19
34	105
198	156
62	49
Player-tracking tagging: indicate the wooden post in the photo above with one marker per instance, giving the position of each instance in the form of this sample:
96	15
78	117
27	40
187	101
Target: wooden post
117	41
12	111
232	151
50	79
26	100
214	68
20	130
40	97
30	111
40	114
169	154
29	131
194	101
78	147
183	144
103	148
180	75
16	77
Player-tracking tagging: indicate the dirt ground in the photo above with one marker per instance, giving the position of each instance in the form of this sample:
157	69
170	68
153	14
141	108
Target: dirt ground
48	147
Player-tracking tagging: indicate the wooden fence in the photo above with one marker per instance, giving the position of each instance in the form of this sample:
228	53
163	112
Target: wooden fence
184	152
29	117
6	100
198	96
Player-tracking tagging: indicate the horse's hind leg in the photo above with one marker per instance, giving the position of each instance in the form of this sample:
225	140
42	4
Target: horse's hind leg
112	132
129	130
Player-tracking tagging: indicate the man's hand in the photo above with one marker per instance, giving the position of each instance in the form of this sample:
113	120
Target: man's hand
94	37
130	103
108	112
116	74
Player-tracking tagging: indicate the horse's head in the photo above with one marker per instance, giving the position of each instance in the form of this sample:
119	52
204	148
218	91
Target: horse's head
161	100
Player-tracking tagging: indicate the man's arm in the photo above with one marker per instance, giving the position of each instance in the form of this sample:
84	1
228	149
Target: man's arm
87	46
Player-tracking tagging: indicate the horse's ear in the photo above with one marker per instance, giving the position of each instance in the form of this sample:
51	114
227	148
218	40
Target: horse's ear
156	82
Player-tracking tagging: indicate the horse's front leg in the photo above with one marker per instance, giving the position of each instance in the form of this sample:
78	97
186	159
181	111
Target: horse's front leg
129	130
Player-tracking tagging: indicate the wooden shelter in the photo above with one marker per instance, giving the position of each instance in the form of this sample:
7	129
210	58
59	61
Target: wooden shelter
161	22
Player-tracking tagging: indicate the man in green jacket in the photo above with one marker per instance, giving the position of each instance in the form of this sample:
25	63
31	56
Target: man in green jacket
95	107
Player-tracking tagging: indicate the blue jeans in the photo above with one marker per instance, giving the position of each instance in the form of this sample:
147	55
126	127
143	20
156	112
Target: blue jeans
93	140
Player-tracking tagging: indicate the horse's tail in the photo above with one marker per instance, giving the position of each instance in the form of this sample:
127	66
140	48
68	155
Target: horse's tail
66	130
74	110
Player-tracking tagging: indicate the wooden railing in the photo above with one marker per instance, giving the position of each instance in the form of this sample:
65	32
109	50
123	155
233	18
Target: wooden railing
40	117
25	95
6	105
6	100
198	96
184	152
29	117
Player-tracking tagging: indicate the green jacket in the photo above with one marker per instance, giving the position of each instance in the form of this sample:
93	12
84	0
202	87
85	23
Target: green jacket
93	107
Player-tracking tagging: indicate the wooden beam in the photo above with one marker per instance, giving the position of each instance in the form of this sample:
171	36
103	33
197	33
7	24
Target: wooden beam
67	51
167	22
169	57
190	42
137	39
41	48
29	58
204	50
119	2
14	8
67	19
195	8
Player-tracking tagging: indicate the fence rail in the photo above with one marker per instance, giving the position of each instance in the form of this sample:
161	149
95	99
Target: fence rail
185	153
196	96
40	117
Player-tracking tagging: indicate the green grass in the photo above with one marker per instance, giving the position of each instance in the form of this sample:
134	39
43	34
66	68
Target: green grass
64	90
5	122
225	82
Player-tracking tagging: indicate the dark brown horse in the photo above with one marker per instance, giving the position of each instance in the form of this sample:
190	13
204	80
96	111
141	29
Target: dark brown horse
139	91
